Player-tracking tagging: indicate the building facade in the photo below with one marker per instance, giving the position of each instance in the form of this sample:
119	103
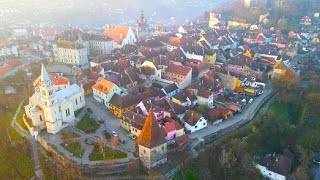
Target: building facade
70	53
53	110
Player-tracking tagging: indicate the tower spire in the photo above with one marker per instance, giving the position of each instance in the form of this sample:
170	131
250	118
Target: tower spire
45	79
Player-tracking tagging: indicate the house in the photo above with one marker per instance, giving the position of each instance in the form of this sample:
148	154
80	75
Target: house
120	104
8	50
237	22
171	128
175	42
305	21
229	82
152	144
126	80
220	112
240	65
208	89
185	98
121	35
193	121
6	70
235	108
52	108
48	35
276	166
159	64
104	90
87	87
213	20
179	74
170	90
132	122
70	52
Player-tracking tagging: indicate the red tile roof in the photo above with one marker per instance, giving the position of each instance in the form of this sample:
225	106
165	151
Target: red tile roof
169	127
178	69
48	33
60	81
5	69
117	33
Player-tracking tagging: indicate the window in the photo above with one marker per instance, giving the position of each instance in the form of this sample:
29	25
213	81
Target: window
196	127
76	101
204	124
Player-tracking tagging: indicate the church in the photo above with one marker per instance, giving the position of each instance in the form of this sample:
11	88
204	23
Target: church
53	105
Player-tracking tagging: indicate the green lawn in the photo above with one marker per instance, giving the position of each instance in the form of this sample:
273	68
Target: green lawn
20	120
88	124
14	135
96	154
73	147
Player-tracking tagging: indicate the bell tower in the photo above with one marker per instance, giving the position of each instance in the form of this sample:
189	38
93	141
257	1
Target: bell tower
50	103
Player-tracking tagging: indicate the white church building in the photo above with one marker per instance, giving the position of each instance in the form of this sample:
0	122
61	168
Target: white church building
53	108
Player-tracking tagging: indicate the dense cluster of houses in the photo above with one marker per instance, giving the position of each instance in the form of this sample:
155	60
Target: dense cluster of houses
178	82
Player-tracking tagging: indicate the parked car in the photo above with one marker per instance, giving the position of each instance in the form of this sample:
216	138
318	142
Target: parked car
114	134
89	110
250	101
133	137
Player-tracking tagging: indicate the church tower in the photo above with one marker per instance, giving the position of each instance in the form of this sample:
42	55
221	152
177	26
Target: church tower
50	103
152	145
213	20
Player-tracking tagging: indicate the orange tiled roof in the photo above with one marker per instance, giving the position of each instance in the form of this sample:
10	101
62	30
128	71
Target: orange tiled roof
117	33
151	135
60	81
104	86
174	41
5	69
55	80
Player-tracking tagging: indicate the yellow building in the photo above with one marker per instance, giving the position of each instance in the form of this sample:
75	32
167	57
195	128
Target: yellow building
211	59
213	20
279	69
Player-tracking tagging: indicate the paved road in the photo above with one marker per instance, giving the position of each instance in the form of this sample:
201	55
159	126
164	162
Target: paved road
112	123
247	114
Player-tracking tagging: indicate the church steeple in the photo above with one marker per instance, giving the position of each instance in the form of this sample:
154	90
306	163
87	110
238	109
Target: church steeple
44	78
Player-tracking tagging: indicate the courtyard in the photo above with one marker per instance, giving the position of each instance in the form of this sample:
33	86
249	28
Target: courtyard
88	141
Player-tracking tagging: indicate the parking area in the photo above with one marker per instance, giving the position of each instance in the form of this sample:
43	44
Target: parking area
108	122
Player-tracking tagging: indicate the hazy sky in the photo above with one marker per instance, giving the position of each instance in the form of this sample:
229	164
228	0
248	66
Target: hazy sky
99	11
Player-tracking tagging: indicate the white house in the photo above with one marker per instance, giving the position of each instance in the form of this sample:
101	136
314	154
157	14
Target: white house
193	121
276	166
70	53
103	91
53	110
121	35
7	51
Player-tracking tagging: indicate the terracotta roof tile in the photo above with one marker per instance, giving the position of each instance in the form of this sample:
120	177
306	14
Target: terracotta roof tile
118	33
104	86
151	135
178	69
5	69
